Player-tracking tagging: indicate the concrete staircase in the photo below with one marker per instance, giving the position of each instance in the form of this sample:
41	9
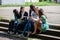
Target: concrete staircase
52	34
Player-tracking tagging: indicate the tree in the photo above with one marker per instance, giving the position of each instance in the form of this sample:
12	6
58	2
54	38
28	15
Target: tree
40	0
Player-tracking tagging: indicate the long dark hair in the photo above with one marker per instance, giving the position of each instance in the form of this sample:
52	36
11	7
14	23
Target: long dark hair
41	12
16	13
33	9
21	9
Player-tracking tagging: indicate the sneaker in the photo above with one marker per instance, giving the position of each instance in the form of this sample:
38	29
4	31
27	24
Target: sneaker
21	36
9	32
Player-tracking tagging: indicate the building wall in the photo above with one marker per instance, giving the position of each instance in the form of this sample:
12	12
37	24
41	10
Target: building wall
58	1
13	2
27	0
35	0
31	0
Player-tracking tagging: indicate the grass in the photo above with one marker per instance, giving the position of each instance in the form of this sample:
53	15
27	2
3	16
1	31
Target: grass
35	3
43	4
29	38
32	39
1	17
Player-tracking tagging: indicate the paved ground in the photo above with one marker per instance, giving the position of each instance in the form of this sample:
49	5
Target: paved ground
3	37
52	12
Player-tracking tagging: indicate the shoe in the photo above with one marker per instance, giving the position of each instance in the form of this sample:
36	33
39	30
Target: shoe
21	36
9	32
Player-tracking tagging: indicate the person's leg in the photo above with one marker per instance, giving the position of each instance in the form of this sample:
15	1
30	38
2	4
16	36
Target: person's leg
15	24
10	27
35	27
27	26
39	28
17	27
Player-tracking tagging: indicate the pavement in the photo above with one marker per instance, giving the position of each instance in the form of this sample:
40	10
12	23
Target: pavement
6	37
52	12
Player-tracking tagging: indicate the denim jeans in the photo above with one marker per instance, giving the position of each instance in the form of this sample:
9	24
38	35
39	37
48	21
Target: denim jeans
11	26
28	26
19	25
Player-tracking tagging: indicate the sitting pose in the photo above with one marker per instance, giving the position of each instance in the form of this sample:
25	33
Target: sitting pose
44	25
40	20
35	18
23	16
14	22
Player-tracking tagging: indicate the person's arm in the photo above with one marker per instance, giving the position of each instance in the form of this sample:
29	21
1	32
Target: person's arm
43	18
25	15
36	19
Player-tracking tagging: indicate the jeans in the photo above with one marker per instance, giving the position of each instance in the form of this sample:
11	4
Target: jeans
11	26
27	26
19	25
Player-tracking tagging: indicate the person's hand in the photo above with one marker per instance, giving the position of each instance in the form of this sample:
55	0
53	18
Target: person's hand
31	18
25	16
19	20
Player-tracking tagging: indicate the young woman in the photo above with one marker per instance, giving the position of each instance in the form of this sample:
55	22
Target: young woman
14	22
36	21
43	18
34	17
23	16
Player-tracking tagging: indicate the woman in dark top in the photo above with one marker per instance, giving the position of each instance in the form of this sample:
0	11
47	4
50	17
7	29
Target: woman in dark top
23	13
23	16
14	22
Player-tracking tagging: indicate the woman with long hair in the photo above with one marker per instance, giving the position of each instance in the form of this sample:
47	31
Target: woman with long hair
36	21
23	16
34	17
43	19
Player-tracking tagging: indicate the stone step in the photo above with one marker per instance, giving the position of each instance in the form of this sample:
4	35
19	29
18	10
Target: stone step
5	24
6	36
54	26
37	36
45	37
4	20
3	29
53	32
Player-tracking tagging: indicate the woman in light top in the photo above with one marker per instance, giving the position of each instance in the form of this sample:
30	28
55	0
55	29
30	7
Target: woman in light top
34	17
36	21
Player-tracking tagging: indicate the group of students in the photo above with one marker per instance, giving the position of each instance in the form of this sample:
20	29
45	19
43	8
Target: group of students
35	19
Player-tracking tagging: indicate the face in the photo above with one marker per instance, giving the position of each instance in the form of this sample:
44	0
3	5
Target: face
23	9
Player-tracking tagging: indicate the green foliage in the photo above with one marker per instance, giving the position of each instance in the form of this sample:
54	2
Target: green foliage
35	3
1	17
